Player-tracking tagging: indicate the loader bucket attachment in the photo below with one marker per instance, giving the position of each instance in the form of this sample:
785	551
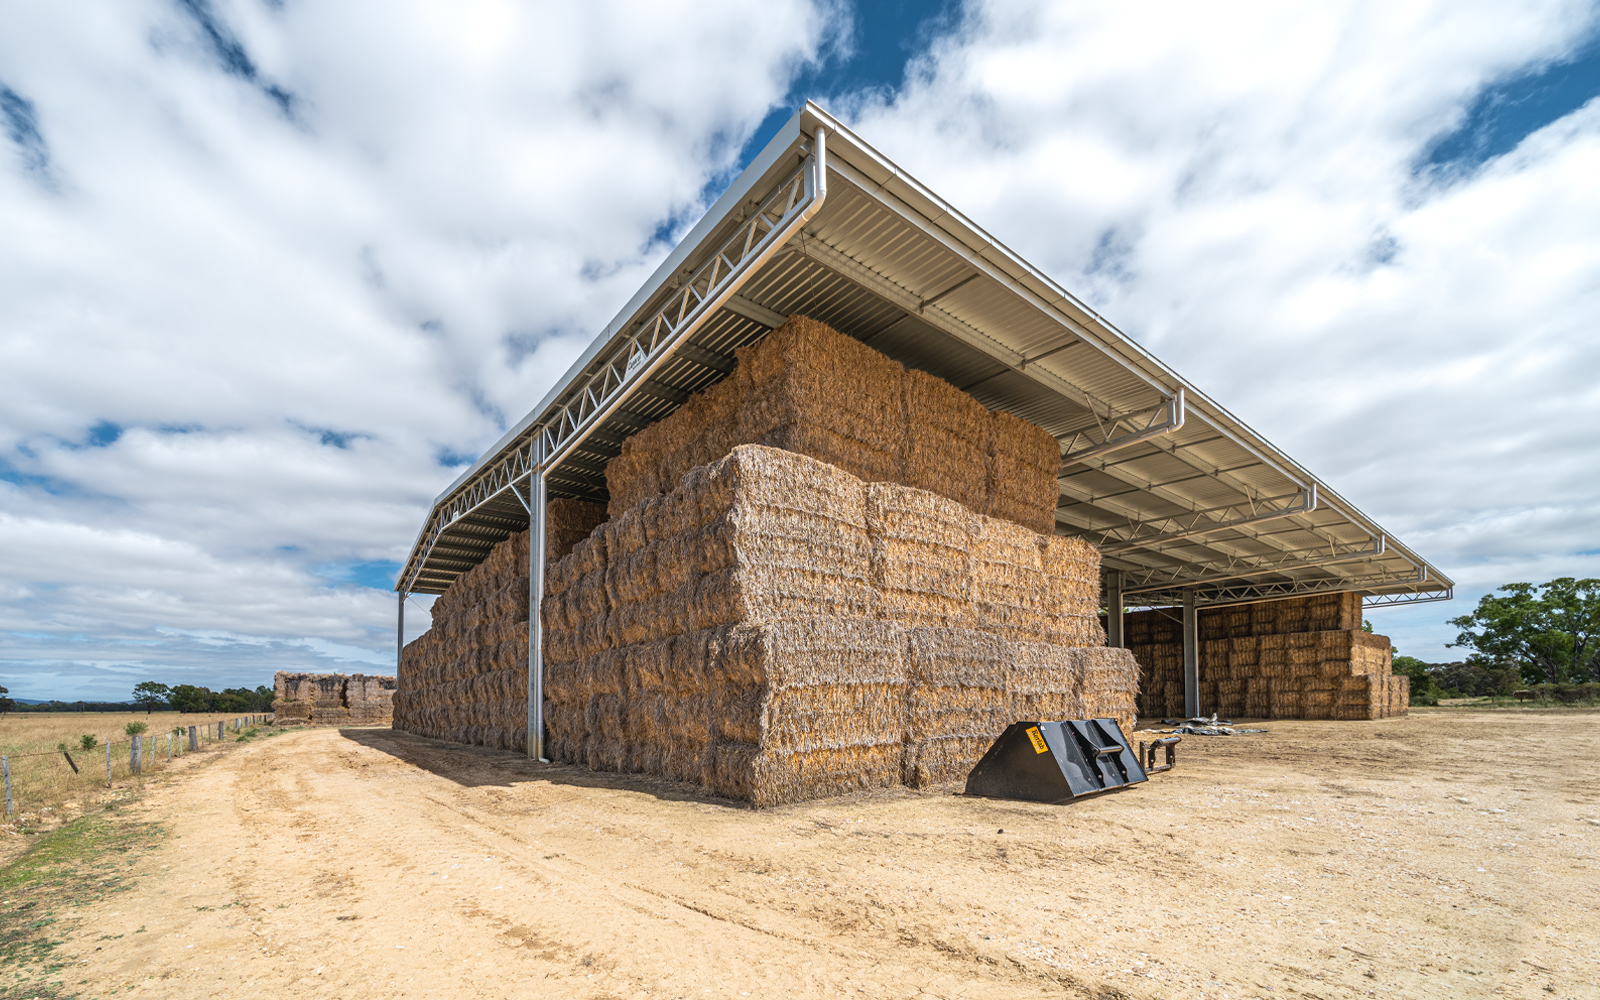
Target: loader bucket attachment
1056	761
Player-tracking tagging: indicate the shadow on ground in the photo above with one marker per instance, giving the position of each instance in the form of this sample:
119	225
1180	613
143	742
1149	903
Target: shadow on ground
474	766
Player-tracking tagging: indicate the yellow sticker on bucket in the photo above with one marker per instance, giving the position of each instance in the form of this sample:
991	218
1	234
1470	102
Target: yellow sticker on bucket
1037	738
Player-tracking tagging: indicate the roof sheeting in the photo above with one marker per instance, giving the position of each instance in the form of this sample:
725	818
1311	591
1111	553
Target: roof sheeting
1209	506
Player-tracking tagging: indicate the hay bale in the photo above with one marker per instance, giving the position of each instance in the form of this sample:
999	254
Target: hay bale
805	708
1021	473
810	389
946	441
1008	581
333	699
568	522
920	548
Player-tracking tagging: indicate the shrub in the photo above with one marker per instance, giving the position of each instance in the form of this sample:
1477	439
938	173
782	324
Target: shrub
135	728
87	742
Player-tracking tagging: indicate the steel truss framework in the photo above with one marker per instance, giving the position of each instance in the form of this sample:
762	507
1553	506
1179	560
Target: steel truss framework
1242	593
1334	553
1186	502
627	368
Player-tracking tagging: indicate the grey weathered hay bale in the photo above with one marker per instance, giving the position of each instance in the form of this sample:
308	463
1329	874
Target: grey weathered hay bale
568	522
333	699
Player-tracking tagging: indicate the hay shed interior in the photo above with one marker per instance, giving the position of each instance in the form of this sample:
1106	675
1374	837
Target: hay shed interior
1190	509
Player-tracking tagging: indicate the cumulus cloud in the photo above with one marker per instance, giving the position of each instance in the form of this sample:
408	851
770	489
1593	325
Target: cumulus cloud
1245	191
271	271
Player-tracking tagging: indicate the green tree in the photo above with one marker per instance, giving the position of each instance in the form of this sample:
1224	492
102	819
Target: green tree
188	698
135	728
150	694
1549	630
6	704
87	742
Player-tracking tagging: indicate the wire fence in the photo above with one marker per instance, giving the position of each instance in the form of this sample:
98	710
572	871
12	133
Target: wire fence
42	781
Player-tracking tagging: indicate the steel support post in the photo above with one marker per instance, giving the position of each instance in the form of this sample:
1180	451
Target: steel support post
1114	609
400	634
1191	655
536	557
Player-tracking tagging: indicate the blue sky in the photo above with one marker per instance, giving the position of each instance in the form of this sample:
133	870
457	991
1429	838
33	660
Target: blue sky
271	274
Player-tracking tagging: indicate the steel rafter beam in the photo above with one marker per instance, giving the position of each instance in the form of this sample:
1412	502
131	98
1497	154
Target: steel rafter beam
1250	593
1391	600
1144	425
641	353
909	302
1180	501
1154	533
1292	562
1232	548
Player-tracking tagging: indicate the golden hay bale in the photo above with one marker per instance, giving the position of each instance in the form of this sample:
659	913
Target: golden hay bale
920	544
810	389
1022	473
793	702
946	441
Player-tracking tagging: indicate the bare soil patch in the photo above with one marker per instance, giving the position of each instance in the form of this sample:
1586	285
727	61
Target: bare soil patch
1444	854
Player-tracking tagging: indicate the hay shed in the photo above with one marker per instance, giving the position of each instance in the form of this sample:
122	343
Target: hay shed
1190	513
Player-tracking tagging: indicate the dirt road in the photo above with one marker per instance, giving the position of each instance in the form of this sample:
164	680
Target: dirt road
1439	855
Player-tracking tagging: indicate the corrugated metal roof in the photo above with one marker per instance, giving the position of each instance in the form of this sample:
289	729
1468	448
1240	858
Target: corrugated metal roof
1209	505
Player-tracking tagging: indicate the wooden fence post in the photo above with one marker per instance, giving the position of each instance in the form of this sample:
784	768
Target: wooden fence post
5	766
136	755
194	737
108	763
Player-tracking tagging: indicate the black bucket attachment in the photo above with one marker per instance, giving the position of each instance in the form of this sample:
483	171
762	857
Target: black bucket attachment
1056	761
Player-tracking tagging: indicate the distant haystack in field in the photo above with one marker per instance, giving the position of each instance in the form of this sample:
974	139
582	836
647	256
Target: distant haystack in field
332	699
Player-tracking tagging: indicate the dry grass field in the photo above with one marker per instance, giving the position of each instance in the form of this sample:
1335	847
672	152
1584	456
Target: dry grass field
1445	854
43	783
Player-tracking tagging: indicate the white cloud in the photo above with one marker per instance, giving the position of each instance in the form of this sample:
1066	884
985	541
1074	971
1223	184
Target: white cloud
376	240
1236	188
296	262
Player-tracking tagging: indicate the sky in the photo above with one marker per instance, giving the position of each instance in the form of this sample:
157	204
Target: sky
272	272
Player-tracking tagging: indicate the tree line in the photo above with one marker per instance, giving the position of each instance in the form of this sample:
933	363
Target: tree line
152	696
1525	635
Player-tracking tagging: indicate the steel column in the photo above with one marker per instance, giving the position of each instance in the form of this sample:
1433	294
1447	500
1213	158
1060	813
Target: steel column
400	635
536	558
1114	609
1191	654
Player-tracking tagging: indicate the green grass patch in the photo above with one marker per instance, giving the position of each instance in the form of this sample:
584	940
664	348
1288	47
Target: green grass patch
75	865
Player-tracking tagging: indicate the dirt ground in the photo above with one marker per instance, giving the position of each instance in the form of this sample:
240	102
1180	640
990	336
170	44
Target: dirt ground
1441	855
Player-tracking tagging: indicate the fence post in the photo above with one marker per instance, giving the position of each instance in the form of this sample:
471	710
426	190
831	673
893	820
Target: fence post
5	766
108	763
169	746
136	756
194	737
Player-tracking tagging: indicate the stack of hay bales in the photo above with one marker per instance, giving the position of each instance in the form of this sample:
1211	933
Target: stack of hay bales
826	573
1304	658
778	629
332	699
466	679
809	389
